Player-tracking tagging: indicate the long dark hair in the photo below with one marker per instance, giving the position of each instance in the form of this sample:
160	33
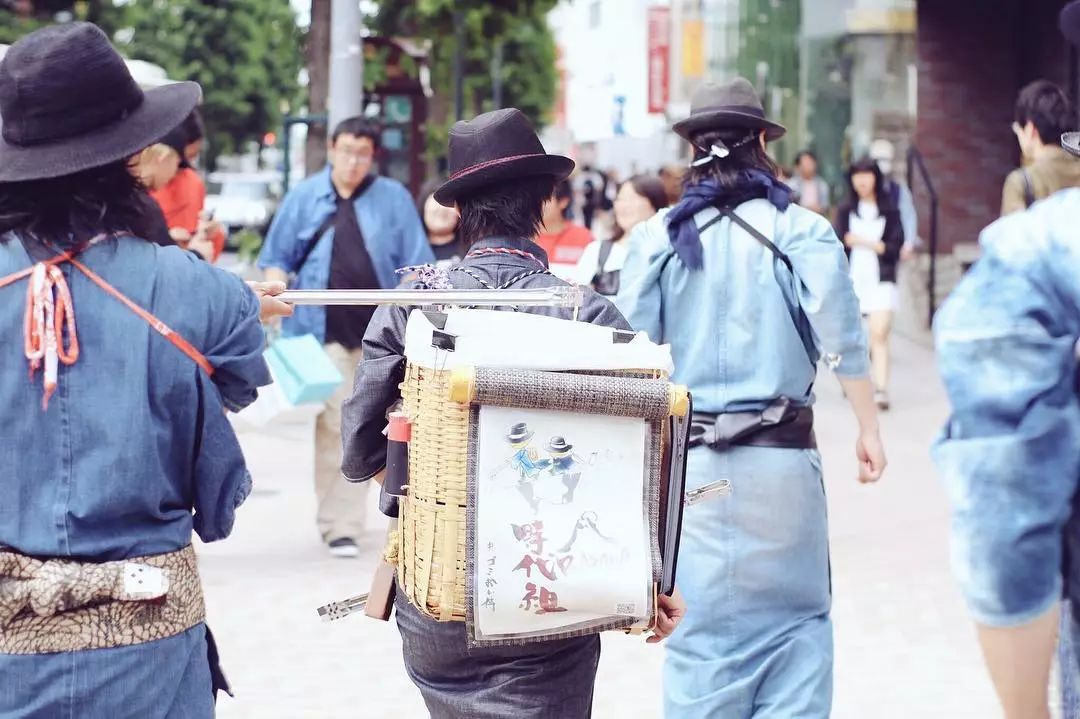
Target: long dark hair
69	210
861	165
746	154
649	187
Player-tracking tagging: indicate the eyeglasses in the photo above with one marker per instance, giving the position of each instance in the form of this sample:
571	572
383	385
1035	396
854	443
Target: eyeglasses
359	158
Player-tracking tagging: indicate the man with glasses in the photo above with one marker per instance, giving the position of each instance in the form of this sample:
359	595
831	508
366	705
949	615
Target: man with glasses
345	227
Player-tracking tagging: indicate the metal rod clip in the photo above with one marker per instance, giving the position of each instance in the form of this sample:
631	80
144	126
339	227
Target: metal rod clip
720	488
339	610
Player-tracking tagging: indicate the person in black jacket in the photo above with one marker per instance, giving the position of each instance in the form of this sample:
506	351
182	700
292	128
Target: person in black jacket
869	225
500	180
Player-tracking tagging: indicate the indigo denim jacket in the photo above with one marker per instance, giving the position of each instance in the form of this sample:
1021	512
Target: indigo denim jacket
393	236
134	450
1010	453
736	327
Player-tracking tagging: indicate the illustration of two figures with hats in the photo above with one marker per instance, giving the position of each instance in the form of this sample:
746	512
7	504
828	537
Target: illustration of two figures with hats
552	479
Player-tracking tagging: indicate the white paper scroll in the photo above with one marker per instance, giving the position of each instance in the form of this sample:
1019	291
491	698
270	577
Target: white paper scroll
562	537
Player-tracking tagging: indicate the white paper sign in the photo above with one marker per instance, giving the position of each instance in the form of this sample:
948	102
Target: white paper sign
562	535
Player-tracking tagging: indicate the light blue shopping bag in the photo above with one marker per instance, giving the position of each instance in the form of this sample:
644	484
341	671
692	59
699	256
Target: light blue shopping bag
302	369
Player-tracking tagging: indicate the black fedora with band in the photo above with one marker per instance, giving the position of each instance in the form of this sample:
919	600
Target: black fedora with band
495	147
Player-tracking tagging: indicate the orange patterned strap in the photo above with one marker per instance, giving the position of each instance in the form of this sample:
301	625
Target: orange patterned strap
49	311
160	327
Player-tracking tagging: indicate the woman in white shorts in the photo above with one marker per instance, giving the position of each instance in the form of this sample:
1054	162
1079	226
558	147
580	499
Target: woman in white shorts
870	228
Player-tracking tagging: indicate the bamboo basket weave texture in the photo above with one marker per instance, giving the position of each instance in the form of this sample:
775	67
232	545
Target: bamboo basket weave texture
432	557
432	561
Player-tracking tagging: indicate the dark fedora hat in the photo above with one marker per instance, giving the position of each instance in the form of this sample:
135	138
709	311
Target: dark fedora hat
733	104
558	444
493	147
69	103
520	432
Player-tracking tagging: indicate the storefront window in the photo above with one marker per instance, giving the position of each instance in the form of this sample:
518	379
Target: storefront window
838	73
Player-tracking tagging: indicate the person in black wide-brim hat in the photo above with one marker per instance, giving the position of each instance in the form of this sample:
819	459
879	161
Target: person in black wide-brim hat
500	177
1006	342
115	444
750	290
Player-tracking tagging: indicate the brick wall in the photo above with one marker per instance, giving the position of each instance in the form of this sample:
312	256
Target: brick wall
974	55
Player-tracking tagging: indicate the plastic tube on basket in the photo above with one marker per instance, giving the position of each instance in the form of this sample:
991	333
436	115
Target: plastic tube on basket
395	482
397	454
396	479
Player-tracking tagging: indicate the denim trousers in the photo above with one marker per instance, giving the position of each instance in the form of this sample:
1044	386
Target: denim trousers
754	570
544	680
163	679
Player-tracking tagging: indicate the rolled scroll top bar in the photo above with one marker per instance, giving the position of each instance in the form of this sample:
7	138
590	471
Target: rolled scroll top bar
562	391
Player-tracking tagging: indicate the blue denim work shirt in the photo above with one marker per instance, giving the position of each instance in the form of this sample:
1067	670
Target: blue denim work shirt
393	235
733	326
1009	458
134	450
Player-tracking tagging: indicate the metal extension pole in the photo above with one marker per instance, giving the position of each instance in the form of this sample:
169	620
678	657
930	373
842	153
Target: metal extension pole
556	296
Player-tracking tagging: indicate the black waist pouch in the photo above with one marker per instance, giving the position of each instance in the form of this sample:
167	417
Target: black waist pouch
780	425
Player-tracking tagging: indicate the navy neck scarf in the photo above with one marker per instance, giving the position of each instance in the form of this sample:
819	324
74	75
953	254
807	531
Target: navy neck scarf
751	185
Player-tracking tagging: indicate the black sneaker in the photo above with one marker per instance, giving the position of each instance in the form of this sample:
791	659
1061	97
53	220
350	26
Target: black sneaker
344	548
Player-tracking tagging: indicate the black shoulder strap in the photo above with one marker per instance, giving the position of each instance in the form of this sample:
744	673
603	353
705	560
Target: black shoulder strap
329	222
605	253
729	213
798	316
1029	190
753	232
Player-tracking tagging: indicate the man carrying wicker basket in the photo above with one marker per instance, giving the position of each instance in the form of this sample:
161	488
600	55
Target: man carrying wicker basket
500	178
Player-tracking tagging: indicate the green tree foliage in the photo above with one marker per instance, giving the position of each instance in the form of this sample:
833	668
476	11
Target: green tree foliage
13	26
528	70
246	54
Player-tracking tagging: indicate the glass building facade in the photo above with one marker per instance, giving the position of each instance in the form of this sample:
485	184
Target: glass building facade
837	73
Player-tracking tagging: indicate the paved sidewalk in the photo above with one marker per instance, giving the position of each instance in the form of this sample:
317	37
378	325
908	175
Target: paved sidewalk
904	647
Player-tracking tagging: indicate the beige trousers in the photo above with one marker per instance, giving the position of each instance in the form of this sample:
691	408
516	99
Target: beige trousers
343	505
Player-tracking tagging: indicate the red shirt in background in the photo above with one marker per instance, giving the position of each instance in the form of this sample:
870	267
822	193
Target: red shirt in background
567	246
182	201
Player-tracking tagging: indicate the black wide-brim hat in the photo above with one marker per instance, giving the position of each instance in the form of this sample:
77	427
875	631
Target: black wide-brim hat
731	105
68	103
495	147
